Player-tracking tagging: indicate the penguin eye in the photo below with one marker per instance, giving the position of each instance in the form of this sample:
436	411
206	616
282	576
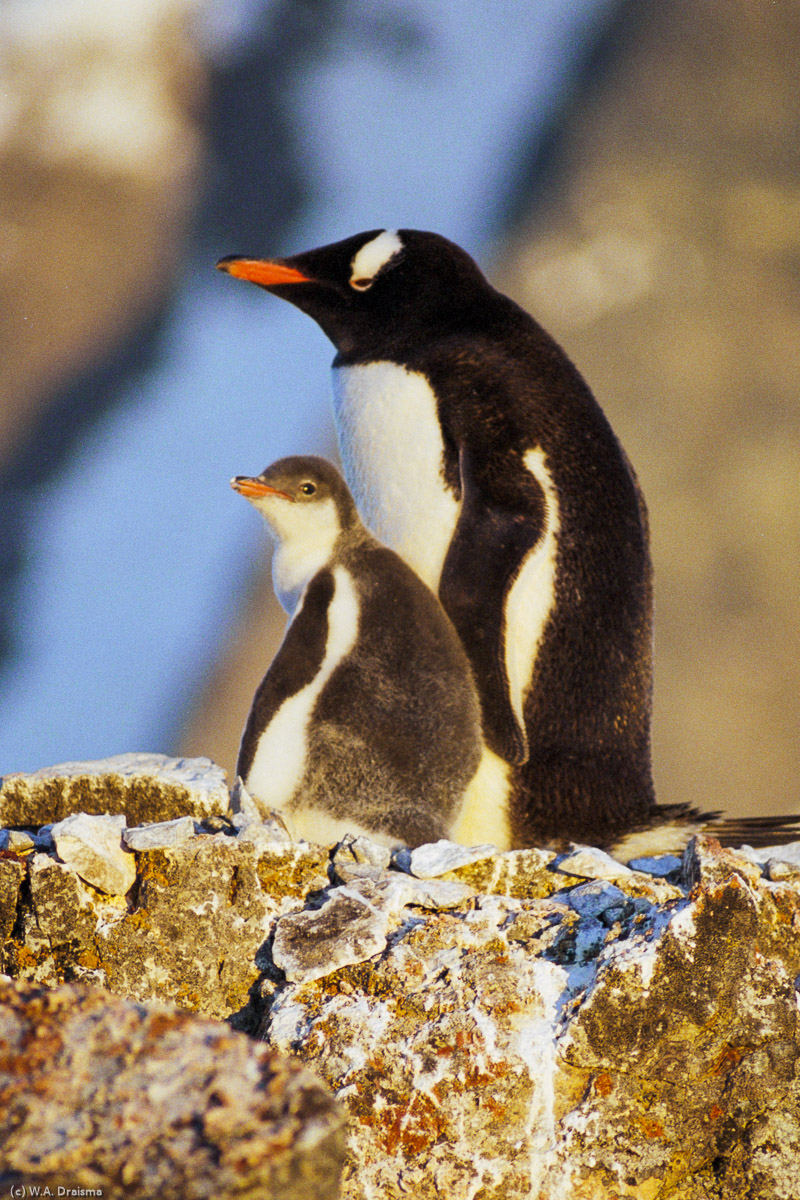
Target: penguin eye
361	285
308	489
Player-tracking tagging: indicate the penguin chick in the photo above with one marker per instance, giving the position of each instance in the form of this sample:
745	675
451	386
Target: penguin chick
367	719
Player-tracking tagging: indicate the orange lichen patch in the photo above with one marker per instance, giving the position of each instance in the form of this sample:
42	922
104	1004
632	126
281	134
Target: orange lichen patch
728	1058
651	1128
411	1127
494	1106
89	959
139	919
474	1078
21	958
715	1112
504	1008
186	997
603	1084
152	868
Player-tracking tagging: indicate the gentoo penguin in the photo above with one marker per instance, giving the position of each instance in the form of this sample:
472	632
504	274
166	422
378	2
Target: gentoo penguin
368	719
475	449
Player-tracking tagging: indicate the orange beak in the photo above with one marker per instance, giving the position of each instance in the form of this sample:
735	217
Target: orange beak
248	485
263	272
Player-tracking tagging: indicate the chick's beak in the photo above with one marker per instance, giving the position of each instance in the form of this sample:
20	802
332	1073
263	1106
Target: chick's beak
264	272
252	487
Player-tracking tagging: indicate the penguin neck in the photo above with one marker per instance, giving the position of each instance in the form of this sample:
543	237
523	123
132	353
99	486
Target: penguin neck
392	449
296	561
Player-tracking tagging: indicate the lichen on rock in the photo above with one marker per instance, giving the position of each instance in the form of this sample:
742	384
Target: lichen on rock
498	1025
99	1093
145	787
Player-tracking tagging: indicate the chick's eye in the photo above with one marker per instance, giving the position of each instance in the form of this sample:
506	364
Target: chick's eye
307	489
361	285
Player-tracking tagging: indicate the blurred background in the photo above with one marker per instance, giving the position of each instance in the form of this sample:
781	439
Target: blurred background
626	169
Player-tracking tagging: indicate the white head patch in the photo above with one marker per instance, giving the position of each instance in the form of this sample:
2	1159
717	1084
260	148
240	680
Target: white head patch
372	256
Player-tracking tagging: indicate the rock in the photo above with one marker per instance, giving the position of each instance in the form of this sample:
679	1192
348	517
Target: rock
362	851
93	846
661	866
437	858
160	835
261	831
193	932
594	898
354	922
346	930
705	861
145	787
100	1093
17	840
514	1048
530	873
777	869
590	863
688	1044
788	853
12	873
593	1037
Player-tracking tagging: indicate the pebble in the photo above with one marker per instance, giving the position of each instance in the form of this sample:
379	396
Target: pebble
16	840
592	899
590	863
437	858
93	846
660	867
160	835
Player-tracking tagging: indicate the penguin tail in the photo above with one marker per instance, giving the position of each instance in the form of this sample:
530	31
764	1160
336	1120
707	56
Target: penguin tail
670	827
755	831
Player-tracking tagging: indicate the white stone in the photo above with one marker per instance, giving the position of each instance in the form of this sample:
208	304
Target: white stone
437	858
17	840
267	830
362	850
243	805
789	853
263	836
589	863
93	846
344	931
159	835
353	924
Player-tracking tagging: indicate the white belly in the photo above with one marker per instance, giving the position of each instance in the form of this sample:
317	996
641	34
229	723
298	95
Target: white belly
532	596
280	758
392	453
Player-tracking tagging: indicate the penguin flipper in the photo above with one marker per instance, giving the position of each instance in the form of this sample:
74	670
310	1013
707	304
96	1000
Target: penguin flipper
492	539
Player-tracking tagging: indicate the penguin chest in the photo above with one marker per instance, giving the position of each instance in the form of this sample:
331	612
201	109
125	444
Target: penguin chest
392	450
279	763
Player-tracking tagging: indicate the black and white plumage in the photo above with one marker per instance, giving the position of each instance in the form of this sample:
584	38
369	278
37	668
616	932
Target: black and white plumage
367	719
475	449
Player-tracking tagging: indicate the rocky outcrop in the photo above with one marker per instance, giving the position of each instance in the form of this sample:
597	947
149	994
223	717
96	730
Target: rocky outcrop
99	1096
144	787
497	1024
629	1038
